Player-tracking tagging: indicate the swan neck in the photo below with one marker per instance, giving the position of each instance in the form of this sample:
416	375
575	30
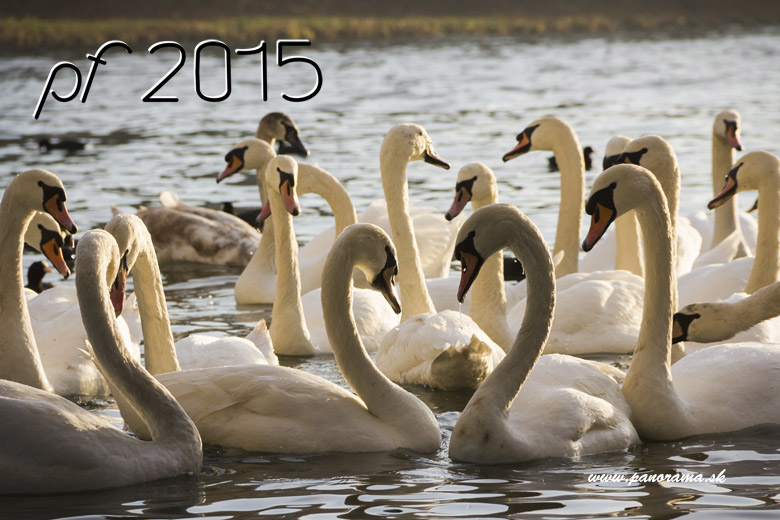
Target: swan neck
19	357
488	295
312	179
726	218
165	419
502	385
762	305
159	349
567	235
766	265
411	280
288	327
383	398
650	367
628	244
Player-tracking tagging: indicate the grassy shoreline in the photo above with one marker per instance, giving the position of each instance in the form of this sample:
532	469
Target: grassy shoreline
28	32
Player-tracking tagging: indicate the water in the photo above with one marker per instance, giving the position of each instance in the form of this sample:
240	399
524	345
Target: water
473	95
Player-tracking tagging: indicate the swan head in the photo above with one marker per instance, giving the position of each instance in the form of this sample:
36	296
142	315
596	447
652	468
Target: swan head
249	154
652	152
98	250
278	126
475	182
44	234
703	322
413	143
487	231
727	126
41	190
281	176
613	150
131	236
542	134
618	190
752	171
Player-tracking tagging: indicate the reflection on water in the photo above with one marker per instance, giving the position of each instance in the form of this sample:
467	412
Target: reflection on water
473	95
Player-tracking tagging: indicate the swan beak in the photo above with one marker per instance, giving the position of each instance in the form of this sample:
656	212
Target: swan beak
53	252
600	220
234	165
732	136
431	158
56	208
117	292
523	145
289	198
470	267
728	191
462	197
295	142
383	282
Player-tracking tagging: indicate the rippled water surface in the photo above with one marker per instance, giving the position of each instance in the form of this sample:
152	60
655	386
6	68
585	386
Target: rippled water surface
473	95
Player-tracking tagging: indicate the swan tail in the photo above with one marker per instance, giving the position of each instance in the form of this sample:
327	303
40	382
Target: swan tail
115	211
261	339
462	368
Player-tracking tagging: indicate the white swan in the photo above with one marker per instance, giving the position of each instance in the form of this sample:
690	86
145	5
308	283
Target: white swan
278	409
28	192
588	303
656	154
754	171
195	350
442	350
552	134
717	389
55	446
257	283
728	221
534	407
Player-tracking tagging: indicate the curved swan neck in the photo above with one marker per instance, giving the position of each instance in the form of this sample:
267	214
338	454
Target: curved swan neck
762	305
628	243
19	357
166	420
488	294
766	265
288	327
411	280
159	349
312	179
502	385
383	398
726	219
568	154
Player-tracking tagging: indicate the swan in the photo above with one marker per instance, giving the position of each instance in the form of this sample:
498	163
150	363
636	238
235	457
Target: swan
184	233
29	192
552	134
35	275
622	249
42	235
728	222
656	154
588	303
443	350
54	446
195	350
533	407
477	183
277	409
257	283
760	171
717	389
